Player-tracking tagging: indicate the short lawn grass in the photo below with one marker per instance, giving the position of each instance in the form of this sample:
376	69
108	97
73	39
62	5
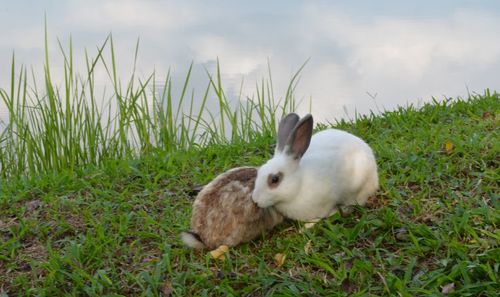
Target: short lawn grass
113	230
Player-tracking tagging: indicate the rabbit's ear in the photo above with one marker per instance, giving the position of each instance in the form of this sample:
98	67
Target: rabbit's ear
300	137
285	127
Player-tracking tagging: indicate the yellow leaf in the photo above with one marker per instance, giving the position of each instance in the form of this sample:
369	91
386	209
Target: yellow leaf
279	259
219	252
308	247
448	147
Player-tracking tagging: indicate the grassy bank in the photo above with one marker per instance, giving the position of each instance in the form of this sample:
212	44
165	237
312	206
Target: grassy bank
111	228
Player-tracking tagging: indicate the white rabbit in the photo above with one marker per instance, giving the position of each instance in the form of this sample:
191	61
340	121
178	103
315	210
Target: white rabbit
309	177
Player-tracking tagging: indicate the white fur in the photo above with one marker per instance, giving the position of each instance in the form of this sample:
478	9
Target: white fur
338	168
191	241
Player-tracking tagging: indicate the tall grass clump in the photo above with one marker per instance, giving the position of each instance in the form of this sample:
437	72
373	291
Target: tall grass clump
67	124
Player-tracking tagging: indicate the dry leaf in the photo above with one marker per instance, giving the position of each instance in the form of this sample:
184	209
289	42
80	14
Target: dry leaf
34	204
222	275
279	258
166	288
448	147
308	247
219	252
448	288
347	286
402	234
221	257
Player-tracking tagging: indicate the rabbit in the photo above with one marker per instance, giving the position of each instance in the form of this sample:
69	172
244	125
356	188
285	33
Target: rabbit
224	213
310	177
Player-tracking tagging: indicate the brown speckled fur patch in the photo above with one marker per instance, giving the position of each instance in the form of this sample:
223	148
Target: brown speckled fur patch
224	213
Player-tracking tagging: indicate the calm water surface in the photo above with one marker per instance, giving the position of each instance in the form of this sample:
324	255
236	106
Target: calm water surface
396	52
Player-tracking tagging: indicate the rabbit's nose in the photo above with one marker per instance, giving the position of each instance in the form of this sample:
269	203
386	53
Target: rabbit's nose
255	197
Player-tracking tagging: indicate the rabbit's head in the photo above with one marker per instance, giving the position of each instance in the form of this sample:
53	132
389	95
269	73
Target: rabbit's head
279	179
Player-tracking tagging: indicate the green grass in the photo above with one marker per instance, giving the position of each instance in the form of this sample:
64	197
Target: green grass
113	229
69	124
92	202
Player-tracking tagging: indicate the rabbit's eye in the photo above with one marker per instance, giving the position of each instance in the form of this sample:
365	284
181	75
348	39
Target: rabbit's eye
273	180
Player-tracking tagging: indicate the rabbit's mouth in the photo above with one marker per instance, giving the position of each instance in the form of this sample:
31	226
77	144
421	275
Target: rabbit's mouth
261	199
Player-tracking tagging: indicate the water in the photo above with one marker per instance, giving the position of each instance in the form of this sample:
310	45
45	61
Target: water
362	56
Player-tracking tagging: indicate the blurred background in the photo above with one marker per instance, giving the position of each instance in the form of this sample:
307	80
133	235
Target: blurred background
361	55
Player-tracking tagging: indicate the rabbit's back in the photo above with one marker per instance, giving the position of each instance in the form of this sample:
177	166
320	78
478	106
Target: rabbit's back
343	161
224	213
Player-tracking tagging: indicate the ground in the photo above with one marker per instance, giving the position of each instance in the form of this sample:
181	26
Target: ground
114	229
